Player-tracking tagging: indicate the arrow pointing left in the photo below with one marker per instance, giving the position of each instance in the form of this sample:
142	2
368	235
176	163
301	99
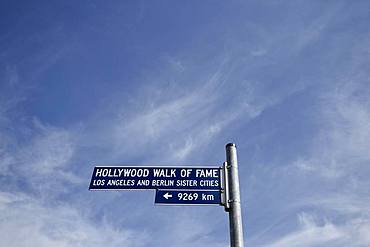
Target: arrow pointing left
167	195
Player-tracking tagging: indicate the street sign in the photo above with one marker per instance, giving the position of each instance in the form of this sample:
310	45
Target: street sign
186	185
187	197
147	177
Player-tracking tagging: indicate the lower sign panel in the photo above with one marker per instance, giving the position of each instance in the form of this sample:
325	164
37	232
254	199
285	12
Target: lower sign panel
197	197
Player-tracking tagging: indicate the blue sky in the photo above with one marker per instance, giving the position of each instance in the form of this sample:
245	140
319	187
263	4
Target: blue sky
85	83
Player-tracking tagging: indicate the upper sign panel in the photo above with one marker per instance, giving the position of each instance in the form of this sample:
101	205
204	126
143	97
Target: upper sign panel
145	177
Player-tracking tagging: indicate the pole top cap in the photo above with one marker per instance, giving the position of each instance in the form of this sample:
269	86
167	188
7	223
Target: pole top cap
231	144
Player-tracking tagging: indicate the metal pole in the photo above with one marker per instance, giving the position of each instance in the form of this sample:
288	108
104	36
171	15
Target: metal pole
235	214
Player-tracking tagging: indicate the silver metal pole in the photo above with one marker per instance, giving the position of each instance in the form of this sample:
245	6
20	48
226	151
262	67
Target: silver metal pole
235	213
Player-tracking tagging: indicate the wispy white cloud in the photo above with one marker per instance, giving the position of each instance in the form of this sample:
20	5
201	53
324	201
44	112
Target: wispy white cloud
179	119
187	228
341	147
178	123
339	162
27	222
30	214
313	231
316	29
44	157
11	93
50	150
310	233
12	75
345	204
